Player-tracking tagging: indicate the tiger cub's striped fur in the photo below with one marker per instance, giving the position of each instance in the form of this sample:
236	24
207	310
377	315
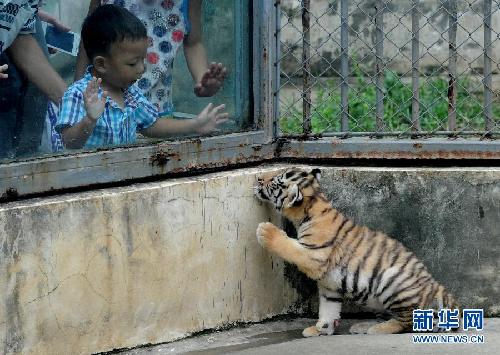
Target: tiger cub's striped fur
346	260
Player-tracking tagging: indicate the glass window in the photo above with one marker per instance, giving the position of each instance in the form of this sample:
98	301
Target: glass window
28	129
226	37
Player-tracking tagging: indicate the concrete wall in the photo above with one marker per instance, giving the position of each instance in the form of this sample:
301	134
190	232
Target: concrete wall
147	264
150	263
450	218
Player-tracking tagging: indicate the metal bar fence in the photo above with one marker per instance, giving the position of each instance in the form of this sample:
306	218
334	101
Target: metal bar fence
415	71
488	114
376	68
452	66
379	48
306	66
344	71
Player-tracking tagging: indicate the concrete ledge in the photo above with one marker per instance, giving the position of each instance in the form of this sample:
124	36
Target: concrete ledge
150	263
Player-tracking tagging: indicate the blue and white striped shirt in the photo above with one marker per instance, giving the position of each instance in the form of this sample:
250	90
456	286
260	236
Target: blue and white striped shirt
116	125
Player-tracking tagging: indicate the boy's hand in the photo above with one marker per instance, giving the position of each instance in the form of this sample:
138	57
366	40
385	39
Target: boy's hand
211	81
210	118
93	104
2	69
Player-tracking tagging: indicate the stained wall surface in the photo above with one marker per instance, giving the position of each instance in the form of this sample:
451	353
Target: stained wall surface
145	264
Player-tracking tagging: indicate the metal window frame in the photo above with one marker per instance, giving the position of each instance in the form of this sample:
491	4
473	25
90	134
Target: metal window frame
108	166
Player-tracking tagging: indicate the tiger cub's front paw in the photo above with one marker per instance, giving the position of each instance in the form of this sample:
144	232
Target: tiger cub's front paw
327	327
321	328
266	233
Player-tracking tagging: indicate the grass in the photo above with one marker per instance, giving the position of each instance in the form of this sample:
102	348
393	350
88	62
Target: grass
326	110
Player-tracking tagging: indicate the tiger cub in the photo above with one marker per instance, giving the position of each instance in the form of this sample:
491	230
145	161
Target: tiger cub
347	261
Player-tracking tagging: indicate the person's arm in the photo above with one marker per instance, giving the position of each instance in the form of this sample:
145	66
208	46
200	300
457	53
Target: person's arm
208	78
3	68
75	136
46	17
82	61
30	60
194	51
207	121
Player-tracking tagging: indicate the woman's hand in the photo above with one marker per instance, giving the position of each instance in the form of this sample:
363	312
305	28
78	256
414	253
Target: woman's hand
211	81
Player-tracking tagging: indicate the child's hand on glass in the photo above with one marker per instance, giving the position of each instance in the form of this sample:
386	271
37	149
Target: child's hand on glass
211	81
210	118
93	104
3	68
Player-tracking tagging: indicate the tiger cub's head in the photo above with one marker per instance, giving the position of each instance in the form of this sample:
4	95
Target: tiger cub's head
287	189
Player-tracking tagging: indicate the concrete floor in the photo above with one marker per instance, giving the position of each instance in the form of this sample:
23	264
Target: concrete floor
284	337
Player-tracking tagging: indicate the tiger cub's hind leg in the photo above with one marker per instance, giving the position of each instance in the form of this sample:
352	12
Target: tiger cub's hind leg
401	322
329	316
391	326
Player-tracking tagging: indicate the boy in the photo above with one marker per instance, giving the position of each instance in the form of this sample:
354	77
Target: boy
105	107
170	25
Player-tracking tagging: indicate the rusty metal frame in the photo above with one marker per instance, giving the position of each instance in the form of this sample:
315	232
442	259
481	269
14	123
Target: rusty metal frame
132	163
266	66
394	149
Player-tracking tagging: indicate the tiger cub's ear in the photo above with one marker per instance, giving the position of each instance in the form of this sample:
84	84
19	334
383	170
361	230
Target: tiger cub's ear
294	196
316	173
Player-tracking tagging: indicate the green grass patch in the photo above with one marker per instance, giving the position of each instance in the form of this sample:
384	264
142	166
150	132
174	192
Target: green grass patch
326	110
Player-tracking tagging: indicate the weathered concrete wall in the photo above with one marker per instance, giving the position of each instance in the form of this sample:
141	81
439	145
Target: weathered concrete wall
149	263
449	217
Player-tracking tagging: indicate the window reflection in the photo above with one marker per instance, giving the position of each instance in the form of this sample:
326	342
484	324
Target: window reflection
35	126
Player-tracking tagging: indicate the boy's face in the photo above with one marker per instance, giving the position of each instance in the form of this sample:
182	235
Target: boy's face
124	64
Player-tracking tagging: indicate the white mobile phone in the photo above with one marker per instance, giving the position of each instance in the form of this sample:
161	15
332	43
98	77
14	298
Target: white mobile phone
67	42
